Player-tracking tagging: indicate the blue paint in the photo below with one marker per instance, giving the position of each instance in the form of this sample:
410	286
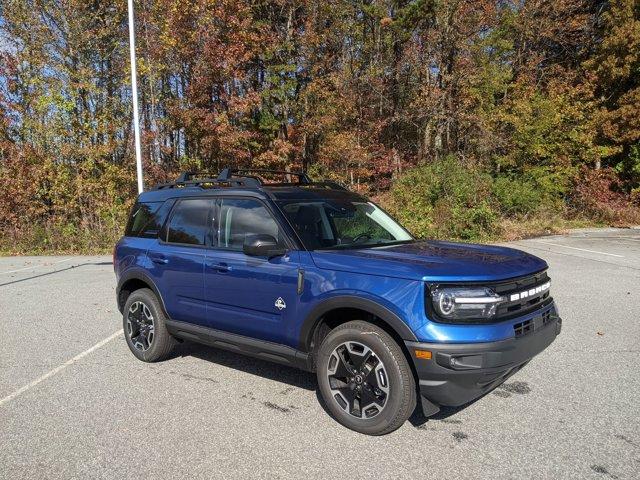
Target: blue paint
231	291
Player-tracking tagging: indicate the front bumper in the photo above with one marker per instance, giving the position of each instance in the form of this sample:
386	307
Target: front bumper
459	373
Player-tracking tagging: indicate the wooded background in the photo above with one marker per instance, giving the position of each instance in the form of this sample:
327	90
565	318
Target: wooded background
468	119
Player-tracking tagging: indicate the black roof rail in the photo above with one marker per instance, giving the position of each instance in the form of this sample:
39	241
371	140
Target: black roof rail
225	175
331	184
228	173
186	176
188	179
231	177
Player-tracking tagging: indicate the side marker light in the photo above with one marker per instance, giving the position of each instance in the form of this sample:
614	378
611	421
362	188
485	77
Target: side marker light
423	354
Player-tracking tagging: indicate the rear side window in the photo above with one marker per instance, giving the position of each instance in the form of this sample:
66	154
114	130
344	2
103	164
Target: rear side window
146	219
188	223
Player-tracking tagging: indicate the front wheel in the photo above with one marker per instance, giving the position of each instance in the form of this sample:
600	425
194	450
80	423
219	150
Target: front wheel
365	379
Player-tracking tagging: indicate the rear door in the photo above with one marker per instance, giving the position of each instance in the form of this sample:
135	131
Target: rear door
247	295
177	259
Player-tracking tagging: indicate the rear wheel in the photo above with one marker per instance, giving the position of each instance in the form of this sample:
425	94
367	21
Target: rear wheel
365	379
145	329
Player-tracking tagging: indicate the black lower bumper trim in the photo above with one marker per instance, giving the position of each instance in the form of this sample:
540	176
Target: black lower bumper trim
459	373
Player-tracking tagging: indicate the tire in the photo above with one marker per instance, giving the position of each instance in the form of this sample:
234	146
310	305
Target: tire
143	308
357	359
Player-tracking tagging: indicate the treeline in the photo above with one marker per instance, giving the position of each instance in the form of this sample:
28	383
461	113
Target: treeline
467	118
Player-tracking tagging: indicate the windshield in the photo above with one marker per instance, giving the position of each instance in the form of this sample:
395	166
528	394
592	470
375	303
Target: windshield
329	224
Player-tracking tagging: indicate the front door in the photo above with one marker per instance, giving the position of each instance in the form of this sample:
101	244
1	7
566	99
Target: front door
248	295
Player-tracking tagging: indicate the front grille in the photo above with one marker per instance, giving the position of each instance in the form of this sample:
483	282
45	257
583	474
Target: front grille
523	328
533	301
512	308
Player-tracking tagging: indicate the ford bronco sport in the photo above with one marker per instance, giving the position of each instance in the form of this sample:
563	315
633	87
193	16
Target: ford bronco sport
311	275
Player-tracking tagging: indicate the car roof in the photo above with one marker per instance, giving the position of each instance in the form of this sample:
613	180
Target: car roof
246	183
309	192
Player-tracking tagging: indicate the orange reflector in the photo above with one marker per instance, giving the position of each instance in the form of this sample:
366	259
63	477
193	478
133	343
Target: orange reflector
424	354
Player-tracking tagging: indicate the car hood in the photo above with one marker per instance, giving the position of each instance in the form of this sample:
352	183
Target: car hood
433	261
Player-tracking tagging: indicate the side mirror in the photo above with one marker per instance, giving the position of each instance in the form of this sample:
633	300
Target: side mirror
262	245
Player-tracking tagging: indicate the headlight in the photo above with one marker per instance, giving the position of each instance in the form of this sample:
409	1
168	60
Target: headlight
465	303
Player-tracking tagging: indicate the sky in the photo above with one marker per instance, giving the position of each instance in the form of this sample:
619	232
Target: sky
5	45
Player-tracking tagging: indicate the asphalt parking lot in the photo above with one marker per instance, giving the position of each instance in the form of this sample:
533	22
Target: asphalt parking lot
74	402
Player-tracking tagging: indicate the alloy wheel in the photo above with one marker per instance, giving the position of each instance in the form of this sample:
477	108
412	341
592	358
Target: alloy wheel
140	326
358	380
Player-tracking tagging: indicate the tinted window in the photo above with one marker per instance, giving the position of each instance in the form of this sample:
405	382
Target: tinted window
188	223
240	217
147	218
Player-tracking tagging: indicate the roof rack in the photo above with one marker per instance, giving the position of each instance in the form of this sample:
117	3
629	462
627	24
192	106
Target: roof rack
330	184
206	180
231	177
228	174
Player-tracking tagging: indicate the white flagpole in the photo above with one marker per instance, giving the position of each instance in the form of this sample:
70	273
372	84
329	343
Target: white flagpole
134	96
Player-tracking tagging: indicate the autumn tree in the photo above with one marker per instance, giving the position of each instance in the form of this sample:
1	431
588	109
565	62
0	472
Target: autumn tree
479	110
616	69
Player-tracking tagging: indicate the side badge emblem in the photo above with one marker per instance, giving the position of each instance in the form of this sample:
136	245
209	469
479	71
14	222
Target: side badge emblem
280	305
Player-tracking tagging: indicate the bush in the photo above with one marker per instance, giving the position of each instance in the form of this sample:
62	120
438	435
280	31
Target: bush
517	196
535	191
629	169
467	222
74	208
597	195
445	199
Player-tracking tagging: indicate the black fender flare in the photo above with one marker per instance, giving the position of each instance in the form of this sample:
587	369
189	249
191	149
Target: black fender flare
351	301
138	274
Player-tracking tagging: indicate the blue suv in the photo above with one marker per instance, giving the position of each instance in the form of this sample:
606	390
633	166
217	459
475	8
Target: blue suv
311	275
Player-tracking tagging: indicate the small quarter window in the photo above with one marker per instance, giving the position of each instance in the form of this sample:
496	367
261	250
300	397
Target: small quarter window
188	223
146	219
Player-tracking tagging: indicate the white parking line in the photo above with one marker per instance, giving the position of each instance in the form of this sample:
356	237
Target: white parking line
59	368
36	266
581	249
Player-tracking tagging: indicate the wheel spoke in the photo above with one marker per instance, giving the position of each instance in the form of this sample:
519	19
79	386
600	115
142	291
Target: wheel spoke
140	326
348	394
357	407
339	370
369	396
352	372
348	366
371	377
137	340
358	359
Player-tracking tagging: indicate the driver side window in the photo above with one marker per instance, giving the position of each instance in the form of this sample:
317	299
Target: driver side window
239	217
360	225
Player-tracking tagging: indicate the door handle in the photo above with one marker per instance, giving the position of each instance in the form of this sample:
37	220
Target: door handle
222	268
159	259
